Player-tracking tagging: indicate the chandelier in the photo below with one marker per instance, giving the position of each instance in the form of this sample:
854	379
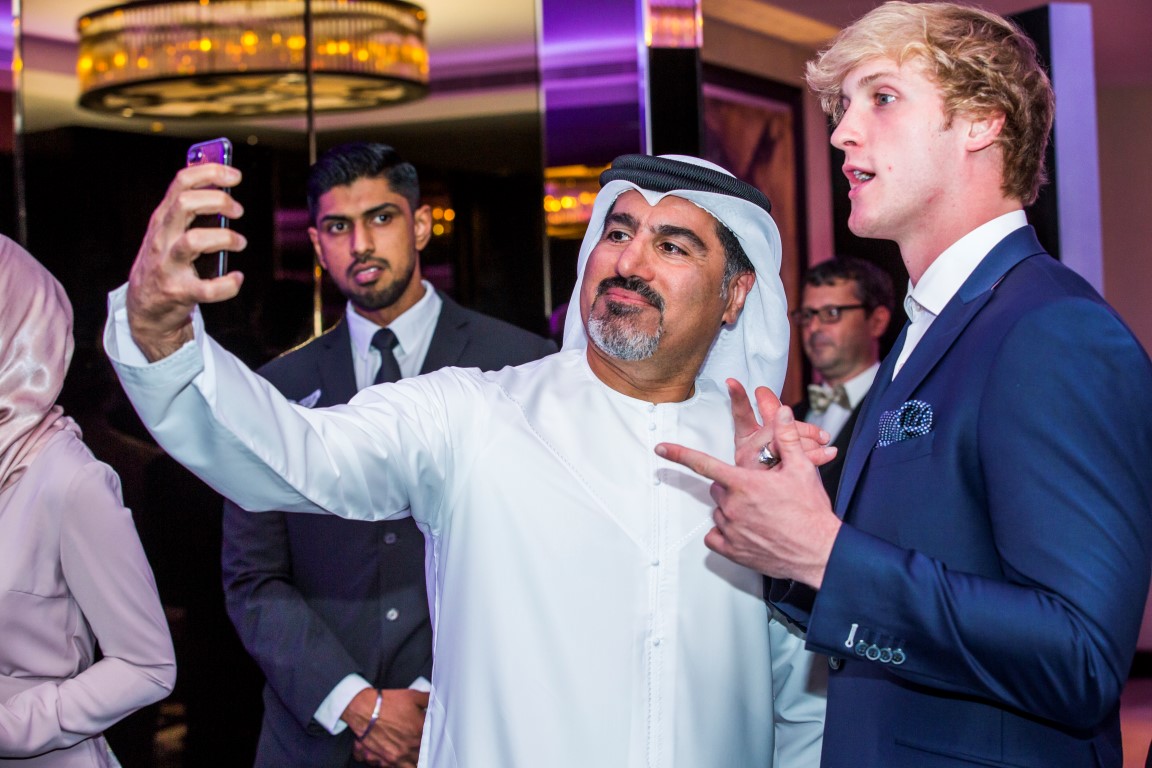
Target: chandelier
244	58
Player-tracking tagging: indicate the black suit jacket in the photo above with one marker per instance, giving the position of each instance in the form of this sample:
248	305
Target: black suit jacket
317	597
830	472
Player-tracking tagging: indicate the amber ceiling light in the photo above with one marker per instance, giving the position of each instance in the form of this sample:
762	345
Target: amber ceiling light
243	58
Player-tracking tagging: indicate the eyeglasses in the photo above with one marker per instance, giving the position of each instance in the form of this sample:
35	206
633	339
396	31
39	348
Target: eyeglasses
828	314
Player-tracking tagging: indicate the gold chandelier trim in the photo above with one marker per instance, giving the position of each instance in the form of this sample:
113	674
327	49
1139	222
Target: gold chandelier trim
201	58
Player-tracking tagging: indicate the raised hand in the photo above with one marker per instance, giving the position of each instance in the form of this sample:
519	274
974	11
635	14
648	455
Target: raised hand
163	287
780	522
752	435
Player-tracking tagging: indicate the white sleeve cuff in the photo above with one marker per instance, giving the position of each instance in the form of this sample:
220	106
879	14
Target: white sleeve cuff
329	712
118	340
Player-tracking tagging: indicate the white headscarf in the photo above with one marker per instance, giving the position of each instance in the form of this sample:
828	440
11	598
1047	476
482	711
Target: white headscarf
754	349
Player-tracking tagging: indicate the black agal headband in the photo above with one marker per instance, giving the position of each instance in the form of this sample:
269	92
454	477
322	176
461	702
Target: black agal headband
662	174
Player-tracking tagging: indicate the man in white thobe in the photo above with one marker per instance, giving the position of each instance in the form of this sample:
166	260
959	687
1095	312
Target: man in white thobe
579	618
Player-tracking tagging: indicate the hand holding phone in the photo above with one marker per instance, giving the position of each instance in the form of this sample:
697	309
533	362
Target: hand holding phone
213	264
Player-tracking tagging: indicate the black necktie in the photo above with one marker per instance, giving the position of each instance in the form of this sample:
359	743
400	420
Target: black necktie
385	341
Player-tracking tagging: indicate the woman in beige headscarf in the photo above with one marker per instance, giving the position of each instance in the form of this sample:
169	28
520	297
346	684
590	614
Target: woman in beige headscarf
72	571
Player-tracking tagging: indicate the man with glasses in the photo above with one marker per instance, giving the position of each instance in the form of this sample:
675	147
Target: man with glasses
844	311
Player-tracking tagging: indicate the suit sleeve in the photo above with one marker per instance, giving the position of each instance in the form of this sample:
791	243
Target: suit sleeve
1065	445
105	569
300	656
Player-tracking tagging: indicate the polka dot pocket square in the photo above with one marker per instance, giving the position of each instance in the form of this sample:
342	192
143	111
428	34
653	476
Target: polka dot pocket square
913	419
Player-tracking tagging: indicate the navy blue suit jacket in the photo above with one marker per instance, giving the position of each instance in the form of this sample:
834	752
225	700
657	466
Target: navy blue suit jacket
315	598
983	600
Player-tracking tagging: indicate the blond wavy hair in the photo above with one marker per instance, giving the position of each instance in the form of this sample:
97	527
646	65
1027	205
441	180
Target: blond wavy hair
982	63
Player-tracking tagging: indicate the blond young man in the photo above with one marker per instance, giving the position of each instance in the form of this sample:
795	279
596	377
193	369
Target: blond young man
980	584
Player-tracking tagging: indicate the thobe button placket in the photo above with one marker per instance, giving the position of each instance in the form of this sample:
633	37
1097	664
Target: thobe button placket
392	614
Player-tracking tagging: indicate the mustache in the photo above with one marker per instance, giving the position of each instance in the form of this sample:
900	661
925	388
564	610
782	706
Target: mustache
633	284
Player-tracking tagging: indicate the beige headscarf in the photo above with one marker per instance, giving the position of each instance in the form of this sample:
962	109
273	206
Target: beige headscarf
35	350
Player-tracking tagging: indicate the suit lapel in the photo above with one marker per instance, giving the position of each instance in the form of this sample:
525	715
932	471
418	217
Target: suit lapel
844	437
448	339
867	426
887	393
335	373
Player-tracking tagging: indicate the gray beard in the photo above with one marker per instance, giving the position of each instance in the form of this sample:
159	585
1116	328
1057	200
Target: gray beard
613	334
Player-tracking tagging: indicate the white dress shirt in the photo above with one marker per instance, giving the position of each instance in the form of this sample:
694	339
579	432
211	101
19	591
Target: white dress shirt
943	279
579	619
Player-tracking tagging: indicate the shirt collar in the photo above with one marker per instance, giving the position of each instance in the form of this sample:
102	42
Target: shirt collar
943	279
407	327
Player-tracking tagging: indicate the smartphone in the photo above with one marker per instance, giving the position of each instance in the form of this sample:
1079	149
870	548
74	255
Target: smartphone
215	263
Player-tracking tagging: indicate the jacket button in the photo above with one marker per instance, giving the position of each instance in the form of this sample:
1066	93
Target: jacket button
861	648
898	656
885	655
389	538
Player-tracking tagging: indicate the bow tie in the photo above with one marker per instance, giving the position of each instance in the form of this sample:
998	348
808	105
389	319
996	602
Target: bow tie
820	396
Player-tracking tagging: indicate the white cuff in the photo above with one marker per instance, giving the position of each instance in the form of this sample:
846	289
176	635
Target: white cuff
329	712
118	342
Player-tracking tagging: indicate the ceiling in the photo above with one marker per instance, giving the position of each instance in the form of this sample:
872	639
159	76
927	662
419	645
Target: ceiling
477	44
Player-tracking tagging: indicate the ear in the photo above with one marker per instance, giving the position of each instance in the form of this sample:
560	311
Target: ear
314	236
422	226
738	289
878	321
984	130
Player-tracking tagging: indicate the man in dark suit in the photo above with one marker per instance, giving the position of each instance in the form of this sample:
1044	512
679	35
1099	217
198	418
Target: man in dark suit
335	611
845	309
980	586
